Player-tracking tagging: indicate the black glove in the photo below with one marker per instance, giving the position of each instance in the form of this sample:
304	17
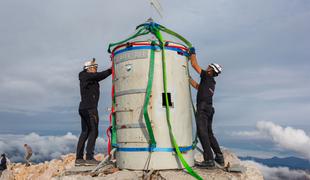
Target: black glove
192	51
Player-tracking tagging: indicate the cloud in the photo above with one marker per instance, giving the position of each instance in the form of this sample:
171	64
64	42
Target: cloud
280	173
289	138
44	147
248	134
285	137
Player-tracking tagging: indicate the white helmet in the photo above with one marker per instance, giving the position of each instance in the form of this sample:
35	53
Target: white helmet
90	63
216	67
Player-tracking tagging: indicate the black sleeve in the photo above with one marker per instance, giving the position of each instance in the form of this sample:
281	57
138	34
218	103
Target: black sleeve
203	74
99	75
3	160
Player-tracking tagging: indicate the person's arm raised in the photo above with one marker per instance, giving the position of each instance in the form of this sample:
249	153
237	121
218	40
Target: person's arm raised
99	75
194	60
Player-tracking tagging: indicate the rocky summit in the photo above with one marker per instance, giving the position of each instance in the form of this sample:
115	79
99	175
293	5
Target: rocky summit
63	169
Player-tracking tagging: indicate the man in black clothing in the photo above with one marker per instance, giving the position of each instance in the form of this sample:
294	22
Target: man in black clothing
3	163
89	89
205	111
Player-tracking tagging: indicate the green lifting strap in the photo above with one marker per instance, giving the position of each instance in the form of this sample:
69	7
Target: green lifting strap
147	97
195	141
164	29
113	133
113	136
140	32
158	35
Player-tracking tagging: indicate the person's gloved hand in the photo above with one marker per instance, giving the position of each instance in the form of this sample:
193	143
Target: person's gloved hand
192	51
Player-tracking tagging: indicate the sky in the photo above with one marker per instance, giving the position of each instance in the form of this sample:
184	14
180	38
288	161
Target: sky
263	46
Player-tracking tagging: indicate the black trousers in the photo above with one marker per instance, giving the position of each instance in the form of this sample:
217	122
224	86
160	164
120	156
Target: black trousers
204	118
89	123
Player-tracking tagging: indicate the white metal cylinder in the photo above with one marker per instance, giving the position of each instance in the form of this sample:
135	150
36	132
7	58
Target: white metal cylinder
131	77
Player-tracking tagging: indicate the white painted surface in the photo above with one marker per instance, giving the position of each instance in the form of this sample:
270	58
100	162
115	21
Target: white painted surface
131	75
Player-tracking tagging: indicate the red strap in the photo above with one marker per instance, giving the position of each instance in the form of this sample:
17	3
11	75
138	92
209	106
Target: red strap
112	109
109	140
148	44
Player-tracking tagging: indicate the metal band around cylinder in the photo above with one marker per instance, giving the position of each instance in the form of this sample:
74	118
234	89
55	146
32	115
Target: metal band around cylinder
152	149
126	126
150	47
131	91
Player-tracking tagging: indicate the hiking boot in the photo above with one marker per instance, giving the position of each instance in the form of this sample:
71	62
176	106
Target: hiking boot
219	159
209	164
79	162
91	162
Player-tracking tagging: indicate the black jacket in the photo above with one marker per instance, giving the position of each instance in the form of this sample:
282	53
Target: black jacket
206	88
3	163
89	88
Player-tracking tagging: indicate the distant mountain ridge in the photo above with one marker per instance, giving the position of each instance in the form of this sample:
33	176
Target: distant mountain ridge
290	162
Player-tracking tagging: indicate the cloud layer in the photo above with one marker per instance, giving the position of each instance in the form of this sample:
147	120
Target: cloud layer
44	147
280	173
289	138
